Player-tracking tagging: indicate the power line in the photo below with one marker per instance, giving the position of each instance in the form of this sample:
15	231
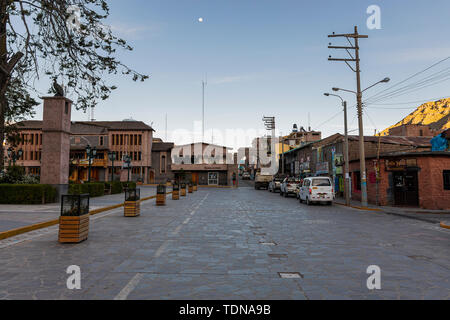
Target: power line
403	81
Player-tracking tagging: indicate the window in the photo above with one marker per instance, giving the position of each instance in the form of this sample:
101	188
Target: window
131	139
140	139
446	175
139	156
324	182
121	139
135	139
101	141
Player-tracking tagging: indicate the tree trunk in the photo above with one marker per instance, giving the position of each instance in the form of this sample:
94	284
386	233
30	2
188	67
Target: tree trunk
3	78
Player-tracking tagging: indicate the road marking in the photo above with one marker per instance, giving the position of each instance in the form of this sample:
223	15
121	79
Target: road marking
131	285
186	221
161	249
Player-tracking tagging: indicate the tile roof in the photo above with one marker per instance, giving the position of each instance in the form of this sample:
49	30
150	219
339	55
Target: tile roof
80	127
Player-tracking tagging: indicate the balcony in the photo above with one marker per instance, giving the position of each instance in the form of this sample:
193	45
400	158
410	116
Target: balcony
94	163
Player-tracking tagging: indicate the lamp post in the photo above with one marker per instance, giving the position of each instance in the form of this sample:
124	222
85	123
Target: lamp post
346	160
112	157
14	155
91	153
127	160
362	156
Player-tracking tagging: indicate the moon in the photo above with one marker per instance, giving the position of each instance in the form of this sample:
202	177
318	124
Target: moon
200	19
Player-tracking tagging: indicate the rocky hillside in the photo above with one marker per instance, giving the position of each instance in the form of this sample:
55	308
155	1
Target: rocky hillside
435	114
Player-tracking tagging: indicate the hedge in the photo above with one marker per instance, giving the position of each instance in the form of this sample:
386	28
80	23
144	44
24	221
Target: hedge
27	194
116	187
95	189
131	185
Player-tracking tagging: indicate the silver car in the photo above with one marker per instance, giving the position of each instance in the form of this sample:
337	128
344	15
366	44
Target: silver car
289	186
275	184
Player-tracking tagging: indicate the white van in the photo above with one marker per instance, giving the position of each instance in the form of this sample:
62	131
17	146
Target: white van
316	189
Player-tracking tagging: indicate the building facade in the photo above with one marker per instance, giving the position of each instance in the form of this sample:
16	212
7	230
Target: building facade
133	138
161	171
216	166
401	171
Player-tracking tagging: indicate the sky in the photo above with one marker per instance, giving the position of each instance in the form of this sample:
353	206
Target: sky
268	58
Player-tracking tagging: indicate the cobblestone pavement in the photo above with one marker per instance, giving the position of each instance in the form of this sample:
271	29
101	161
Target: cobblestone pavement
16	216
232	244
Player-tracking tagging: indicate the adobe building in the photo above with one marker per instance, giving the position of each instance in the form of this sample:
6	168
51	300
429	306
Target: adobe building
133	138
412	130
411	179
214	166
161	171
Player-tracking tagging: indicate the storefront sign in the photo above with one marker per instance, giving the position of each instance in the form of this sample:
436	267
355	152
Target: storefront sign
322	168
400	164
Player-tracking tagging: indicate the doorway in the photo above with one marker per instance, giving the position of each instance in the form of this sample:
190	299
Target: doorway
406	188
213	178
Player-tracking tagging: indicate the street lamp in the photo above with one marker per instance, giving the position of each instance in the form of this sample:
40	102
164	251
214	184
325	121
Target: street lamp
362	156
127	160
14	155
346	173
112	157
91	153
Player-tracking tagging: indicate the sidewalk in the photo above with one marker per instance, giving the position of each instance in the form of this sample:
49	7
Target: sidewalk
17	216
431	216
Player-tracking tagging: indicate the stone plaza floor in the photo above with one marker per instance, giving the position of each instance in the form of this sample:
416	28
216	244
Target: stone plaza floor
232	244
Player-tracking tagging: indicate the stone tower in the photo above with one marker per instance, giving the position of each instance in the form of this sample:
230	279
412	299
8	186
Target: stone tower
56	143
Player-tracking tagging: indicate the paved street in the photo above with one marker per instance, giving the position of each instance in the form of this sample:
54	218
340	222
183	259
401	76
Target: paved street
232	244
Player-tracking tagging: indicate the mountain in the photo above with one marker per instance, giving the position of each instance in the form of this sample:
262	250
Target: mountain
435	114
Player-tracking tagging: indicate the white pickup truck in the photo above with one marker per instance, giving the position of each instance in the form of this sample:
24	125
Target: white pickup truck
262	181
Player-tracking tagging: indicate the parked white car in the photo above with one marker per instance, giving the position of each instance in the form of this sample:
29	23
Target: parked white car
316	189
289	186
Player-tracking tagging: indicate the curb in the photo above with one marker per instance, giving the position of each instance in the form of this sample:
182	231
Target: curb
445	226
360	208
42	225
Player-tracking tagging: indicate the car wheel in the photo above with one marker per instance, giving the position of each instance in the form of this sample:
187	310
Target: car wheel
330	203
286	195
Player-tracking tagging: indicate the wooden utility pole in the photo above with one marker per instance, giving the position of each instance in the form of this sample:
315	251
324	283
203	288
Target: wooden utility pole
347	160
355	47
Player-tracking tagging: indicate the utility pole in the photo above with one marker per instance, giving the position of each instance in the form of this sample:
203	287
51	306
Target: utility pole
269	123
346	160
203	109
362	158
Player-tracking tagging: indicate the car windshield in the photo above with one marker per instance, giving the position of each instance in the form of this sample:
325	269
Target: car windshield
321	182
294	180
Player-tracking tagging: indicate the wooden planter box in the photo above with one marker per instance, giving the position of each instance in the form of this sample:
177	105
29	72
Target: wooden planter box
73	229
195	188
190	189
183	192
176	195
161	199
132	209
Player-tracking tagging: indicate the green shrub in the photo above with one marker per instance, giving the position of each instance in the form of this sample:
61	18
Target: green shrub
27	194
95	189
116	187
131	185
